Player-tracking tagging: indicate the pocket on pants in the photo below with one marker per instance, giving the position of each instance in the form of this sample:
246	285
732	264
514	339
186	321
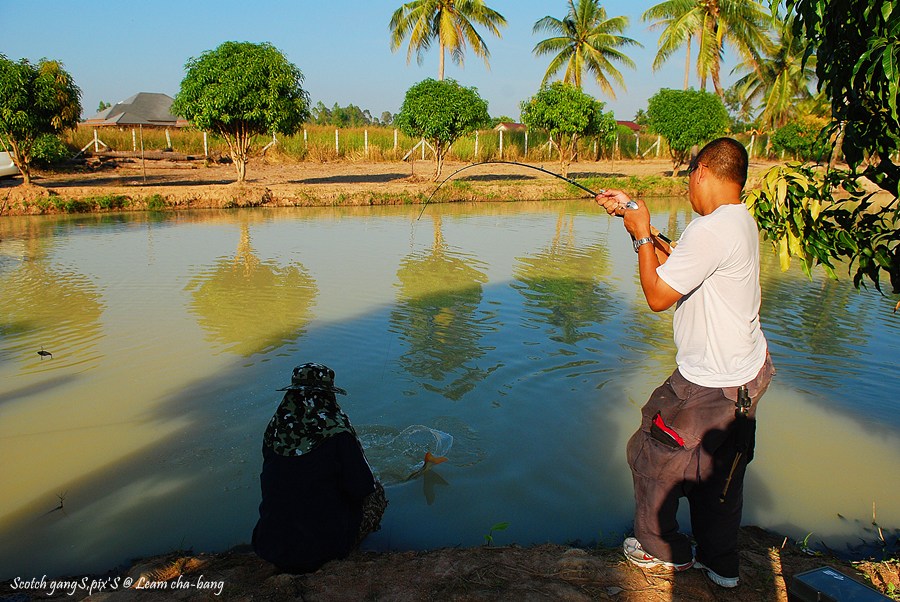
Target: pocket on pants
652	459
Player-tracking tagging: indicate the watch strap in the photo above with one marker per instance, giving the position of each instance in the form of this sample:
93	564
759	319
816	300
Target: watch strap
642	241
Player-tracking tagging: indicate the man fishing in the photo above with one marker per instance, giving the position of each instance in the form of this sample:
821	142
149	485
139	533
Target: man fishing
698	428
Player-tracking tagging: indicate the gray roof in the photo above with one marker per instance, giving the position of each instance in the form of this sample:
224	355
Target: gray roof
144	108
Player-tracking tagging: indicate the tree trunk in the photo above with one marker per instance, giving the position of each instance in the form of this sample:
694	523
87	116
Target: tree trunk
22	161
566	153
838	151
441	62
239	150
439	152
687	63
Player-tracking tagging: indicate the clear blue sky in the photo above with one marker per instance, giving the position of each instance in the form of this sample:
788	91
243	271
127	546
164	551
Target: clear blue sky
116	49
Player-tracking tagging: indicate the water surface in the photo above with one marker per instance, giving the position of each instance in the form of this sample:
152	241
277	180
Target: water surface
517	328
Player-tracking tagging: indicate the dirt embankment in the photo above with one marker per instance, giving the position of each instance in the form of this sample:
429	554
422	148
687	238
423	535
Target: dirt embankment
195	184
541	572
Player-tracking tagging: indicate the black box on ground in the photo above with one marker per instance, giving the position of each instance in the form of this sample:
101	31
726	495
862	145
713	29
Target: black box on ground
826	584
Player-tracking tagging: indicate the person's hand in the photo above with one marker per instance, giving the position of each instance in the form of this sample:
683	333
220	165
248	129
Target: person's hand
613	201
637	221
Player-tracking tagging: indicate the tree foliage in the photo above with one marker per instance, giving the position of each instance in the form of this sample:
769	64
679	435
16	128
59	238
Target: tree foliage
857	46
450	22
857	43
713	23
441	112
349	116
802	138
797	210
567	114
34	100
780	81
585	40
240	90
686	118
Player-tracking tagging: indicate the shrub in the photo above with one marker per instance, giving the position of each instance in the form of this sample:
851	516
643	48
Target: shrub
802	139
49	150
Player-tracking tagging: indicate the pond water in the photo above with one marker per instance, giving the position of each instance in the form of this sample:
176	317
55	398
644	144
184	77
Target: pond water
518	329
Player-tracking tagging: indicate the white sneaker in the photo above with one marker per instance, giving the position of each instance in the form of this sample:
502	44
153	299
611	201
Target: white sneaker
715	577
635	554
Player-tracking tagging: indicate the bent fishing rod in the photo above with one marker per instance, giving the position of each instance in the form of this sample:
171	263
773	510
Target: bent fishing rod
628	205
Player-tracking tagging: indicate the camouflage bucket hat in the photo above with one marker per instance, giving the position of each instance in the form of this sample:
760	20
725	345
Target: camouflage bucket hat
313	376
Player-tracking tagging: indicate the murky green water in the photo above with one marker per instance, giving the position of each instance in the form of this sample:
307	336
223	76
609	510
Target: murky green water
517	328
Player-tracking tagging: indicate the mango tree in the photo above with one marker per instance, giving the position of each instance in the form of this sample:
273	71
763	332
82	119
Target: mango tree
567	114
441	112
686	118
35	100
826	215
240	90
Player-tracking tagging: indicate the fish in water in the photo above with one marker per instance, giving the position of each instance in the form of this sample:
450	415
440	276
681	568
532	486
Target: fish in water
429	461
44	354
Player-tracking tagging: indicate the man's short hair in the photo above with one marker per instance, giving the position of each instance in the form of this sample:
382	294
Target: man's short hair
726	158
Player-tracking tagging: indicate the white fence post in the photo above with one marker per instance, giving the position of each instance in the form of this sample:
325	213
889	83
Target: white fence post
337	148
501	145
526	144
305	140
475	158
168	139
395	139
133	140
366	141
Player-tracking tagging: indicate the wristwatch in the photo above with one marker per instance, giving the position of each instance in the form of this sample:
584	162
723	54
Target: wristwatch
642	241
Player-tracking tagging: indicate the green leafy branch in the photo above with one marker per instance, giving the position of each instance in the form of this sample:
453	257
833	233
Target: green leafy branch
797	208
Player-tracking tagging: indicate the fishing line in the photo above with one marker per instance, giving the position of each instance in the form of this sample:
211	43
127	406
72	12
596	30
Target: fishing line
629	205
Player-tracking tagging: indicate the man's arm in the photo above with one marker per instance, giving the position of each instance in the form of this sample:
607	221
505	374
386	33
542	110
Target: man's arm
660	296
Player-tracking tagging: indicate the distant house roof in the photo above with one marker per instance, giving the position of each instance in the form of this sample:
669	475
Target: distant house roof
510	126
630	125
144	108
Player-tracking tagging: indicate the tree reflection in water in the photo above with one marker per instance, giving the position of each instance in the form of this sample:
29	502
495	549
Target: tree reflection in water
250	306
437	317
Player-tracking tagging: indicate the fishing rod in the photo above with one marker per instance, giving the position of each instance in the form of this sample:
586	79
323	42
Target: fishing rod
628	205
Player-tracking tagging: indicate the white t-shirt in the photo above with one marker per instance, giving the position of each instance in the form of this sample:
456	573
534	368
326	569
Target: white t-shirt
716	267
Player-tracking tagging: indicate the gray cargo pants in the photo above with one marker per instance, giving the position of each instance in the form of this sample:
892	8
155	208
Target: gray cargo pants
698	425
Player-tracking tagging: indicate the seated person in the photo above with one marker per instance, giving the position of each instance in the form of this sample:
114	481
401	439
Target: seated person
316	482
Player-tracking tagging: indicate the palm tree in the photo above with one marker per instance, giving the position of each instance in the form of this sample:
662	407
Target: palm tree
680	20
585	40
779	82
450	22
741	23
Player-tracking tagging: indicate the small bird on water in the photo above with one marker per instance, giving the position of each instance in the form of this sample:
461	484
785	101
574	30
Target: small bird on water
44	354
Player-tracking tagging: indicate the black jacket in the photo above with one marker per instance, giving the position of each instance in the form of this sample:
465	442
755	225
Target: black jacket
311	505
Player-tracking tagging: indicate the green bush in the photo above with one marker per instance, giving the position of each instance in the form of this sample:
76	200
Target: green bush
49	150
156	203
802	140
111	201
